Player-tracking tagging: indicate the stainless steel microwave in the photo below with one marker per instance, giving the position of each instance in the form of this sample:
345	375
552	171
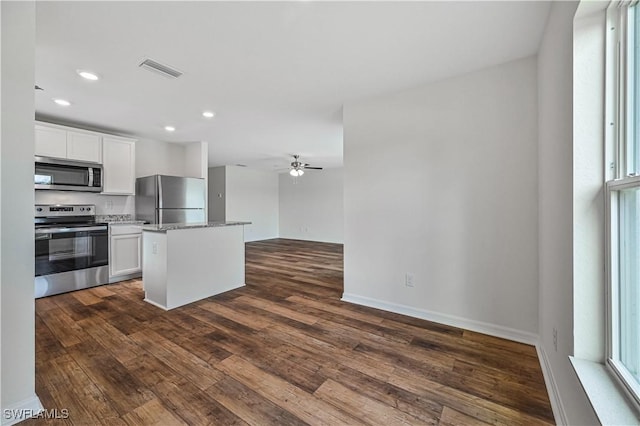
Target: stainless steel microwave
67	175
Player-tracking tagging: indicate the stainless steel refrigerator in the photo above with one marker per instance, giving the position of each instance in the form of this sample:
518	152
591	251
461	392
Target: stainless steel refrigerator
164	199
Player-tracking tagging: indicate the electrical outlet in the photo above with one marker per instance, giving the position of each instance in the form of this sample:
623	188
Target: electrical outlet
555	339
408	279
154	248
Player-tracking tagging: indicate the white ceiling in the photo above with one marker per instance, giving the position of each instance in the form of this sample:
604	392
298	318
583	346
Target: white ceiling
275	73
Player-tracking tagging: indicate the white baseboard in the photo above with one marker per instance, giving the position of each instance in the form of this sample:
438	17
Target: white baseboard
559	412
21	410
454	321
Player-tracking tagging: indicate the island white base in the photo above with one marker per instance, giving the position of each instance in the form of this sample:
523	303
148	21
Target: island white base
186	265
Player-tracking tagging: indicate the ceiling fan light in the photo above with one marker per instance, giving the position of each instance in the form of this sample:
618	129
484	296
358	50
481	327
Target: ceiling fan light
293	172
300	172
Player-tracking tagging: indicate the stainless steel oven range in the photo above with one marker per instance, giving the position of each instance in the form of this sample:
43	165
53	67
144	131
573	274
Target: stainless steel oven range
72	250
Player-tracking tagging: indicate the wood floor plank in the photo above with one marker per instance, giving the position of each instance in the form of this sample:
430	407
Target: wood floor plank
63	327
365	409
195	406
152	413
278	310
233	315
289	397
249	406
48	347
451	417
284	349
86	297
425	410
365	365
188	365
471	405
72	389
120	387
113	340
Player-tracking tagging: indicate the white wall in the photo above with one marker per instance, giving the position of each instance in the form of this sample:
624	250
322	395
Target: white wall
17	324
441	182
252	195
217	196
311	206
159	158
555	195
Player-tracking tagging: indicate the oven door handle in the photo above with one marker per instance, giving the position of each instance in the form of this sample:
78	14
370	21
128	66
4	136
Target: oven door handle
65	230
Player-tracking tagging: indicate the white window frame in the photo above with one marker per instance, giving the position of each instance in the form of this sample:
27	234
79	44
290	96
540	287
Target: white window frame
616	166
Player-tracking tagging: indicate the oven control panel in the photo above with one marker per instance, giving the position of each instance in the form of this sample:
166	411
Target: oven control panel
58	210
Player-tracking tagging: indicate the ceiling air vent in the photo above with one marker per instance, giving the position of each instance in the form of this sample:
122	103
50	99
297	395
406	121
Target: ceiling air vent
165	70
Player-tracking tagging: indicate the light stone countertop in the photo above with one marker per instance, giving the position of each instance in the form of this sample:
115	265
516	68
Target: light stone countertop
178	226
118	219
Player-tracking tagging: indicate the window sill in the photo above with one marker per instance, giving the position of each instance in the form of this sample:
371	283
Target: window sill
607	399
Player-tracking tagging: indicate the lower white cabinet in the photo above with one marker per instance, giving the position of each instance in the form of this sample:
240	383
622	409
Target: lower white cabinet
125	251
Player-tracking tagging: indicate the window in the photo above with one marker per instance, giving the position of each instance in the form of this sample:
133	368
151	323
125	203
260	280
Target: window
623	202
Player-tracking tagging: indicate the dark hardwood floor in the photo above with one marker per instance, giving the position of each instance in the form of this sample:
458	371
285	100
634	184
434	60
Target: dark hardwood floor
282	350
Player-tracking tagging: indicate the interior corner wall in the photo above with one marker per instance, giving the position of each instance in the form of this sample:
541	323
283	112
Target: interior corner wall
196	159
555	214
217	196
252	196
440	183
311	206
159	158
16	165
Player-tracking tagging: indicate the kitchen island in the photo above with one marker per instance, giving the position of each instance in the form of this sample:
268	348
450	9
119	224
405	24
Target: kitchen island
184	263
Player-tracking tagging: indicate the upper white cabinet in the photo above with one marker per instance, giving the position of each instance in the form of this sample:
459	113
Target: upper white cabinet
116	154
84	146
51	142
119	165
72	144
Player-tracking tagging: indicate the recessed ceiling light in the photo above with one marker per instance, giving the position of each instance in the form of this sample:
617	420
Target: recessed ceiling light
208	114
170	128
62	102
88	75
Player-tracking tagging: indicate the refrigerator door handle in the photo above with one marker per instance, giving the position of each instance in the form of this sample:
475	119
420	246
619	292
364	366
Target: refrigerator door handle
159	194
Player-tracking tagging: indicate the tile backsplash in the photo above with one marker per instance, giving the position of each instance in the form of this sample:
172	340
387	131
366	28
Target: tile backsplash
105	204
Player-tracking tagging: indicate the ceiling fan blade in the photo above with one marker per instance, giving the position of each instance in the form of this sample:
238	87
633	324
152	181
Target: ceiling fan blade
313	168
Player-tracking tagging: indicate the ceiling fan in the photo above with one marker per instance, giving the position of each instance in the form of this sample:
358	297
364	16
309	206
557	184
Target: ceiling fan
298	167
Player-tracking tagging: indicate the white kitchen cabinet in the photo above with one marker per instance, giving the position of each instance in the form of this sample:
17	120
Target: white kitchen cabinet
84	146
50	142
119	165
125	252
63	142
